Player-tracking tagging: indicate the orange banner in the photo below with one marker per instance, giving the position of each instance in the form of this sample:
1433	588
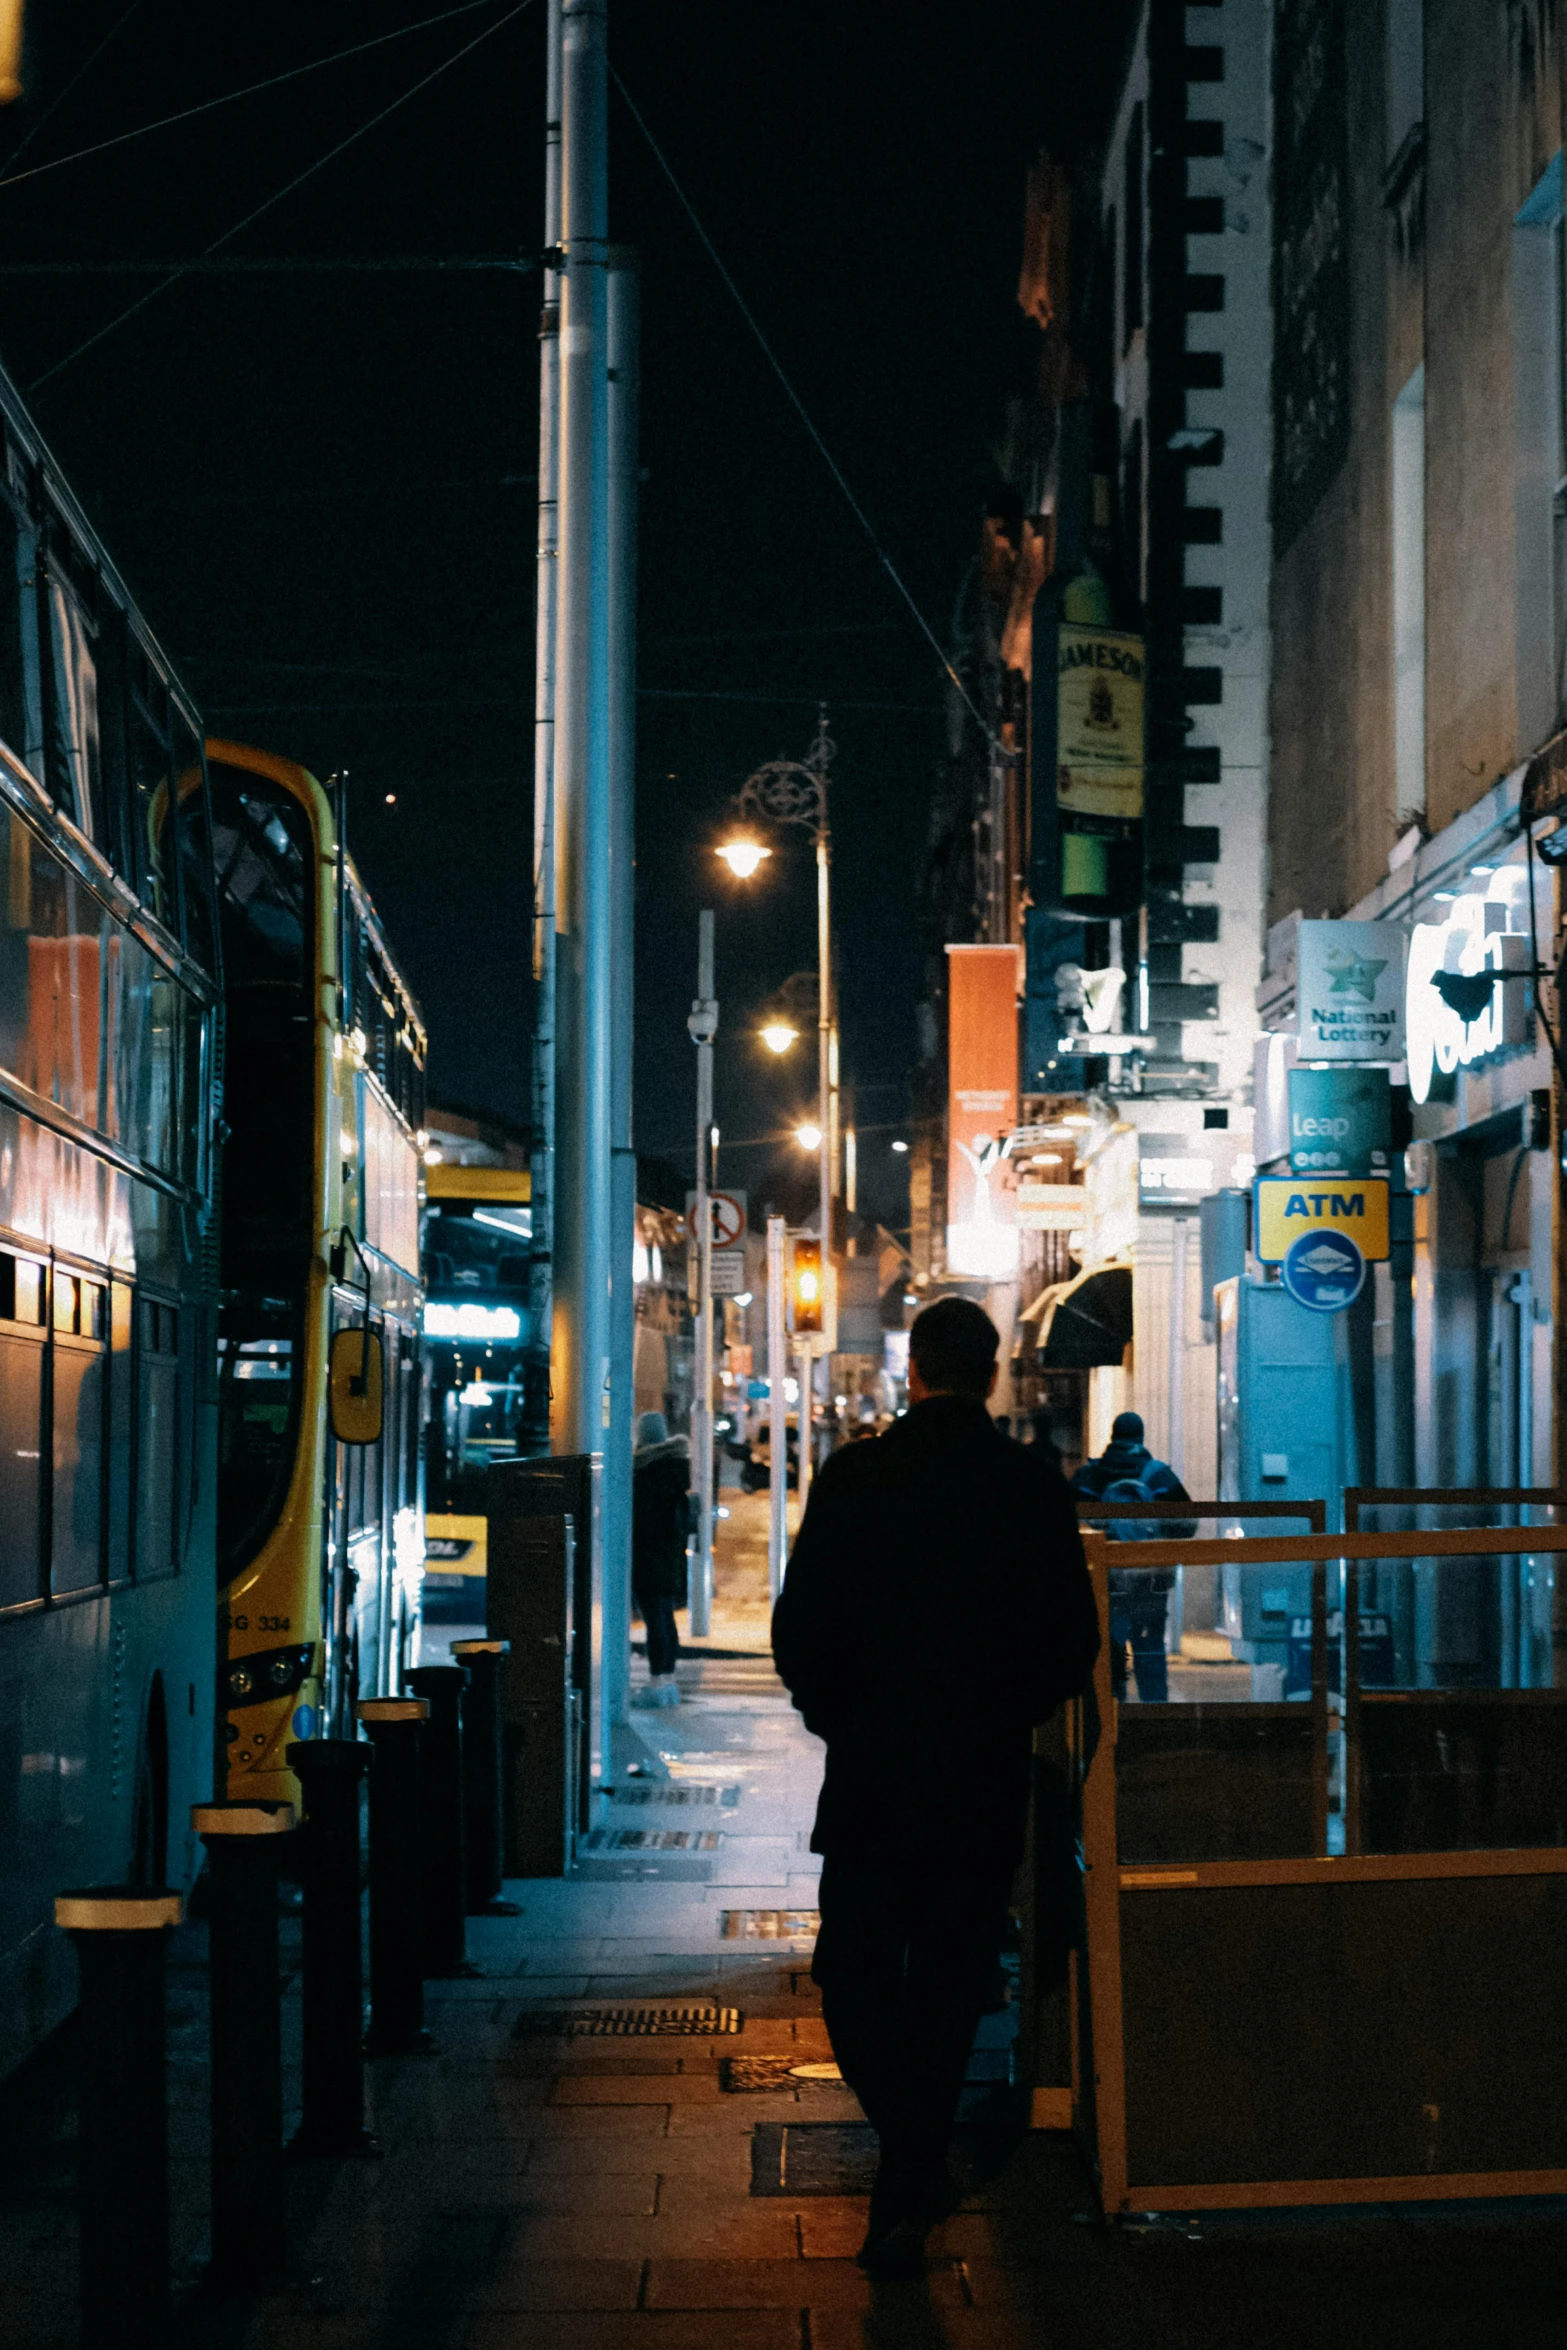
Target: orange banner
982	1047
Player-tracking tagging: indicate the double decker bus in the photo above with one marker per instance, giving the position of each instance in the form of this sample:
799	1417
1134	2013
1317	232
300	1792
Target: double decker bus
320	1532
478	1323
109	1004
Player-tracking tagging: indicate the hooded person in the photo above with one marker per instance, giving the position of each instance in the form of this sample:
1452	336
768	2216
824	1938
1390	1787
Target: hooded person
660	1529
1126	1471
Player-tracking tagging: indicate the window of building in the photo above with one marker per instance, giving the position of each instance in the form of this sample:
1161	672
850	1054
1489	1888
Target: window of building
1409	597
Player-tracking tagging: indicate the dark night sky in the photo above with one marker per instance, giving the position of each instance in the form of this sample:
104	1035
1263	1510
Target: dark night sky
320	488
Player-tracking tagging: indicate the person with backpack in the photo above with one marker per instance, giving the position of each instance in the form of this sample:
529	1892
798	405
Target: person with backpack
661	1524
1139	1597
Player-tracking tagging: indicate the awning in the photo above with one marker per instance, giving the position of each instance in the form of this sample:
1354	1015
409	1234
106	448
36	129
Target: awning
1086	1323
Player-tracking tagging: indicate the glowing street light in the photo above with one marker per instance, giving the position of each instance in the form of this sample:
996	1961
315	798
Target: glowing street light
743	856
900	1148
778	1036
808	1137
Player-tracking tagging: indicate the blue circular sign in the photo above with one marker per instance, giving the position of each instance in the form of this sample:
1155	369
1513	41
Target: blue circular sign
1325	1271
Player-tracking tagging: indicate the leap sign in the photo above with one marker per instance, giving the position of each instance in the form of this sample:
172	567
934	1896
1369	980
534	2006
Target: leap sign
727	1212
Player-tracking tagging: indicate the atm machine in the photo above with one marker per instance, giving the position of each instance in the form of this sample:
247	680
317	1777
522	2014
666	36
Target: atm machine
1286	1433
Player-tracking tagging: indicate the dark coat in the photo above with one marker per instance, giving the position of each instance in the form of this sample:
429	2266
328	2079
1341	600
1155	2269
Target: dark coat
936	1607
1129	1472
660	1518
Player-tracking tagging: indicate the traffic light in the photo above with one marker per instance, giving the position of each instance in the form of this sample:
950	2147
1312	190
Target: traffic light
806	1290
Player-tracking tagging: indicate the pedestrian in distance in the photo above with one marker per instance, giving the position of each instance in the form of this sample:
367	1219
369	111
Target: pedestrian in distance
661	1524
1139	1596
936	1608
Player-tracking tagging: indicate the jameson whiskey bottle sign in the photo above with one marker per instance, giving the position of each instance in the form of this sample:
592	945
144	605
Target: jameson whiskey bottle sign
1099	722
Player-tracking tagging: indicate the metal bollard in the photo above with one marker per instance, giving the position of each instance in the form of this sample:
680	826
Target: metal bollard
396	1730
483	1776
245	1990
121	1934
444	1939
331	1770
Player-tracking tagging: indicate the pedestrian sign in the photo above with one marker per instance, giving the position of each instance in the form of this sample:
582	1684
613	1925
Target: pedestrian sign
1347	1207
1325	1271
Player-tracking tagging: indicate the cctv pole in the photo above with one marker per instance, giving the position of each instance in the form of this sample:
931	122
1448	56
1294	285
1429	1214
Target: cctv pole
579	1350
544	948
826	1055
777	1411
703	1027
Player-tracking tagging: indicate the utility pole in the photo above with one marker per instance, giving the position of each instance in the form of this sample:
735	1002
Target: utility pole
580	1338
703	1026
543	1153
777	1410
623	388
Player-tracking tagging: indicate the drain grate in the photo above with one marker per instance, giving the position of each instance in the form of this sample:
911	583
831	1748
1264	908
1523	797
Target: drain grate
652	1840
627	2023
813	2158
769	1925
728	1796
748	2074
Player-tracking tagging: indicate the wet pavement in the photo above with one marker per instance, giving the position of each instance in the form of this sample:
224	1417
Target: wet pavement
596	2192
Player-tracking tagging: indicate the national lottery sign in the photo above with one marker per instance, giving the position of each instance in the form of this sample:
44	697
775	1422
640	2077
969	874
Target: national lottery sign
1288	1207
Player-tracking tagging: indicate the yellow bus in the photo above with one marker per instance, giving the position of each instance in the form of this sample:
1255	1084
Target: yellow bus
478	1324
320	1532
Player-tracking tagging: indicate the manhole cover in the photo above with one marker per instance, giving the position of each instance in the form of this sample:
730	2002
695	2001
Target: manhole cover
752	2073
627	2023
728	1796
769	1925
651	1840
813	2158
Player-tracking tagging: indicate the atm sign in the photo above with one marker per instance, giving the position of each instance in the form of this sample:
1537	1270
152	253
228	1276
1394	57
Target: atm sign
1288	1205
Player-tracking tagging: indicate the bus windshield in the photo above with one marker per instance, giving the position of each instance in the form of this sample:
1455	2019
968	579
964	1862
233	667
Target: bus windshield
477	1322
263	849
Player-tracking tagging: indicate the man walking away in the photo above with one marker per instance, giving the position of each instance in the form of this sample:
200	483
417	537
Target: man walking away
660	1525
936	1608
1139	1597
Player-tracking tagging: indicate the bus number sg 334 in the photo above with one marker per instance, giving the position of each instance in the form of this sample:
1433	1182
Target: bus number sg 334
263	1623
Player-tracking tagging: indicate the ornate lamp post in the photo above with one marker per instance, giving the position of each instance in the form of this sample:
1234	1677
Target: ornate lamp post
794	791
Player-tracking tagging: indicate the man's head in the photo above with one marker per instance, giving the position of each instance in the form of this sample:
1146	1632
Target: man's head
952	1350
1127	1428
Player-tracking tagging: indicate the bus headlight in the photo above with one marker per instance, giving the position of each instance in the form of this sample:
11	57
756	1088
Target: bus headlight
271	1672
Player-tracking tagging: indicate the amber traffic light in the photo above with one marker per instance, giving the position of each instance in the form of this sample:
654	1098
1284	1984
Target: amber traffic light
806	1289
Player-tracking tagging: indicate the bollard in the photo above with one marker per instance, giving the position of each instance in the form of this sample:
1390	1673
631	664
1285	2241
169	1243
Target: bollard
330	1770
442	1841
483	1776
396	1729
245	1988
121	1934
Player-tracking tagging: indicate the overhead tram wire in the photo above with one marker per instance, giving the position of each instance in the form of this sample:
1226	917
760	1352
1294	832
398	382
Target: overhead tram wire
800	409
11	179
297	181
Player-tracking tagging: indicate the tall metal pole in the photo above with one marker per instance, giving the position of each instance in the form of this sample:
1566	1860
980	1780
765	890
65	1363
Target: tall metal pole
703	1025
543	1154
579	1352
777	1411
827	1115
623	385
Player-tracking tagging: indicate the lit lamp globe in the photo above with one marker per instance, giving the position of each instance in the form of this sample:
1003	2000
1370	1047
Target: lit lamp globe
778	1036
808	1137
743	856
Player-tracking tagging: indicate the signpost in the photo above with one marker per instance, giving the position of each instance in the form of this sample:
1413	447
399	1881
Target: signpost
1324	1271
1341	1121
1290	1208
1349	991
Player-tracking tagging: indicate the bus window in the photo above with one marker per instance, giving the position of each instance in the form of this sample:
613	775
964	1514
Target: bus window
73	770
157	1391
21	1427
154	817
257	1408
195	851
21	723
121	1426
78	1398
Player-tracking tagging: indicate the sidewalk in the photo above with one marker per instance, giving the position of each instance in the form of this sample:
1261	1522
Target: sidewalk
655	2192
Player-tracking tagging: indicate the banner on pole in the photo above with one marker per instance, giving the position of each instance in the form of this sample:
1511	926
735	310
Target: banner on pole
982	1042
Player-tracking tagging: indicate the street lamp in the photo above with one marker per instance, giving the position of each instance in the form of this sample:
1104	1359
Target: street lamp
743	856
808	1137
778	1036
